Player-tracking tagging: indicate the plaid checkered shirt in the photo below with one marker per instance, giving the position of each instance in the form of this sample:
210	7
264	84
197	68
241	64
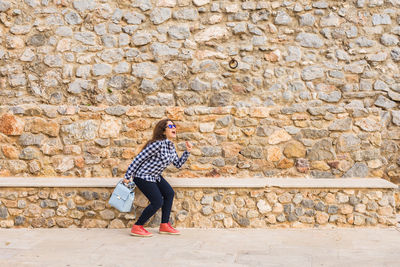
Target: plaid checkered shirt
153	159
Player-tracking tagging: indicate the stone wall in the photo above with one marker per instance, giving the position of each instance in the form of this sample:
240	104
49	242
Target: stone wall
324	74
321	141
205	207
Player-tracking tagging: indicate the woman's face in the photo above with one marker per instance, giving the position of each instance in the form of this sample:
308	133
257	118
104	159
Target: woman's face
170	130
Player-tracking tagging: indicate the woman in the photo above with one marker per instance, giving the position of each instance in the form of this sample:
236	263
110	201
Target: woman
146	169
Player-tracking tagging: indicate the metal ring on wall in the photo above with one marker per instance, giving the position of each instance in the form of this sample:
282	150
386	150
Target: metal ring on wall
233	63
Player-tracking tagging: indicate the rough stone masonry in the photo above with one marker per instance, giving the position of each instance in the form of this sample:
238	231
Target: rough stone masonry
315	92
202	208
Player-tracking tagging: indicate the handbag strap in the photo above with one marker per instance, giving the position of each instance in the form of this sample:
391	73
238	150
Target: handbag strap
131	185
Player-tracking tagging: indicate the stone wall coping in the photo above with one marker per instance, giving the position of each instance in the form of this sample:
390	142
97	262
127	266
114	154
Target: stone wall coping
223	182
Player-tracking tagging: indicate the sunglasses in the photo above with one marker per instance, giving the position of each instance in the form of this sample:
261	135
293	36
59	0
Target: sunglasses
171	126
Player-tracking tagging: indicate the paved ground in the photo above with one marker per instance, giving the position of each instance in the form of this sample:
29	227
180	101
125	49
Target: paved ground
201	247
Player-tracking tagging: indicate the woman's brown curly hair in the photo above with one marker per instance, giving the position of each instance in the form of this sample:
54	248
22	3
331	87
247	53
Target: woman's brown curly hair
158	131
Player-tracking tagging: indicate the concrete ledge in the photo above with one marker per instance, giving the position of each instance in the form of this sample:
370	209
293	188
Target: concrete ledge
330	183
204	182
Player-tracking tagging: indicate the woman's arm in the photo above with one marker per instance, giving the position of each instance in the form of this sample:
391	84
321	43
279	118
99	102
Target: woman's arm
146	153
178	162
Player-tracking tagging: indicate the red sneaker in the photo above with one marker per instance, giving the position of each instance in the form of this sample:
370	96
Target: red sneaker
166	228
138	230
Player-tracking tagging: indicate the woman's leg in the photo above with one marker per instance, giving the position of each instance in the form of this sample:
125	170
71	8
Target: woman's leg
153	194
168	195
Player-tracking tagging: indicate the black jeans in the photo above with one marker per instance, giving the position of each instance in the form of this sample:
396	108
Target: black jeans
160	194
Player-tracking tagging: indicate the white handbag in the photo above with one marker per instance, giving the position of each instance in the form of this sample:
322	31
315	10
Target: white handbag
123	196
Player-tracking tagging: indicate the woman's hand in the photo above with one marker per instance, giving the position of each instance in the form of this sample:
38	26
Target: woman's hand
126	181
188	146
